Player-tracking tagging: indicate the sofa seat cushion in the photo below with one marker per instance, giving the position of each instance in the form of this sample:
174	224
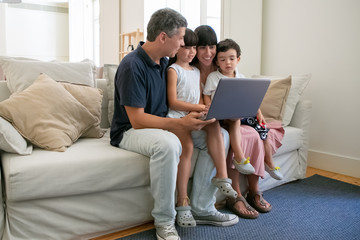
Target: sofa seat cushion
293	140
90	165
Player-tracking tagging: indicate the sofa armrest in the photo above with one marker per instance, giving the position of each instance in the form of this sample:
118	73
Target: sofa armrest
102	84
301	119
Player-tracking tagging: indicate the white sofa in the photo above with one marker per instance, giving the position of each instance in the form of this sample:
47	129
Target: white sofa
94	188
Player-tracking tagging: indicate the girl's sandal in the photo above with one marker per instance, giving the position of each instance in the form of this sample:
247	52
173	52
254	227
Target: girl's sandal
260	205
184	218
230	204
224	185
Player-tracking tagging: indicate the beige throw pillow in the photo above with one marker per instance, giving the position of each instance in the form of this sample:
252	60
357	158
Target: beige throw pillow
298	85
274	102
91	98
47	115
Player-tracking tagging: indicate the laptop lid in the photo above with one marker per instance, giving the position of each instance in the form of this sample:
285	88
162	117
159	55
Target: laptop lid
237	98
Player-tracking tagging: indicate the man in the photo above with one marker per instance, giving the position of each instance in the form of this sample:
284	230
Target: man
139	124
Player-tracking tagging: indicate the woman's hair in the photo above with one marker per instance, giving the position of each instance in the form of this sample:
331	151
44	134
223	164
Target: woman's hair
207	37
165	20
227	44
190	39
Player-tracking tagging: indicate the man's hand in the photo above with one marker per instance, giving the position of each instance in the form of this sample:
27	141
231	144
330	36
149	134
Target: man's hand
192	121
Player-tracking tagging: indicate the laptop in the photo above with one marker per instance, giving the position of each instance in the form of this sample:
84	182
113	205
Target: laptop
237	98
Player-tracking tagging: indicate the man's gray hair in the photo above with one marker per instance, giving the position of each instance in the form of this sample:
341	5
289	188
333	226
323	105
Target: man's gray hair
165	20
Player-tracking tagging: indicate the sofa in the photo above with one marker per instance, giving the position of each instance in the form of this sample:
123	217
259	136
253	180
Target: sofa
86	187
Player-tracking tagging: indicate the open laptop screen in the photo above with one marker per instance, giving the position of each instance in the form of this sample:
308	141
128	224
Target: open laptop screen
237	98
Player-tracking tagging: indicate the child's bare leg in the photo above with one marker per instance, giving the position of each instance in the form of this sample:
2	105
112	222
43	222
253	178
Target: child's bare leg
270	167
184	166
241	163
268	154
235	138
216	148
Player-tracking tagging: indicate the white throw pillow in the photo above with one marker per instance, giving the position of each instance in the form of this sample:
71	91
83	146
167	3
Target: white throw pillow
20	74
11	141
2	58
298	85
109	75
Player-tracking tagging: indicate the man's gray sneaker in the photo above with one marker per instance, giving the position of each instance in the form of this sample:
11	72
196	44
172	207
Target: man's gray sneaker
167	232
218	219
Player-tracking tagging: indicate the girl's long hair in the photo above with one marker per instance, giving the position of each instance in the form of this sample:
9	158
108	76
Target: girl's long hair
190	39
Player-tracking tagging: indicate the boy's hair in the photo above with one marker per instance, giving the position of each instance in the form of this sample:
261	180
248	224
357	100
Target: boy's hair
190	39
227	44
165	20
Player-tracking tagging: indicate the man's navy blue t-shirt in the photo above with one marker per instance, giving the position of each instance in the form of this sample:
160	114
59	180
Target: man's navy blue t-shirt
141	83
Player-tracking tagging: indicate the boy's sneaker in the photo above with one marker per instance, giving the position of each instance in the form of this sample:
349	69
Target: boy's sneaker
274	172
167	232
244	166
217	219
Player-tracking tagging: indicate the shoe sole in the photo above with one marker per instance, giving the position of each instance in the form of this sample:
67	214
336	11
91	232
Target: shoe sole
219	224
160	238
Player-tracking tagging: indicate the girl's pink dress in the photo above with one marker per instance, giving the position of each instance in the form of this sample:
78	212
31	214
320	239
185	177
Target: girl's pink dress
253	146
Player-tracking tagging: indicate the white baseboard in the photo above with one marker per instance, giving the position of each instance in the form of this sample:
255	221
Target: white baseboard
334	163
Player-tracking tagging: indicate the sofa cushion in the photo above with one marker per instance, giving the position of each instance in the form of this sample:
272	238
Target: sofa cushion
91	98
47	115
21	73
274	102
90	165
293	139
298	85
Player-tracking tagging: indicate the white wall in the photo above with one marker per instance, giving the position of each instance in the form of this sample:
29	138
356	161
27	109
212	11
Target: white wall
109	31
39	34
320	37
242	21
80	30
132	15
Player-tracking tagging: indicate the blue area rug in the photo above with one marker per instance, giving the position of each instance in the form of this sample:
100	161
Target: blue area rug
313	208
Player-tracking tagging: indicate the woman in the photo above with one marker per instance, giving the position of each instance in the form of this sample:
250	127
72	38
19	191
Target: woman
251	143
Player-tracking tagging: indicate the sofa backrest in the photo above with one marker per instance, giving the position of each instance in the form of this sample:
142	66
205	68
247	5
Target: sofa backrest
4	91
102	84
